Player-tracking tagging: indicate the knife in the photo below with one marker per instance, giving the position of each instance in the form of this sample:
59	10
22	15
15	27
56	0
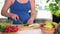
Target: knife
20	21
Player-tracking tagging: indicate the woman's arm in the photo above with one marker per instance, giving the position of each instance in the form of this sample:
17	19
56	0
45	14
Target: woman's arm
5	8
33	12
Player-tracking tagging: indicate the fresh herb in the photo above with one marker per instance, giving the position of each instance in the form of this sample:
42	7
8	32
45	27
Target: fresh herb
54	7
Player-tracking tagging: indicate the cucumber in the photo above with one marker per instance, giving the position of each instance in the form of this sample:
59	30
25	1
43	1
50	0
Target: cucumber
25	24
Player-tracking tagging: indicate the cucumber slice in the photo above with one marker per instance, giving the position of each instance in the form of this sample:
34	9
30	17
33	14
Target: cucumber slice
25	24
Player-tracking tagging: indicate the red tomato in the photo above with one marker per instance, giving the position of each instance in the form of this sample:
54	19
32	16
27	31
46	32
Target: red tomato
42	25
6	30
11	29
14	28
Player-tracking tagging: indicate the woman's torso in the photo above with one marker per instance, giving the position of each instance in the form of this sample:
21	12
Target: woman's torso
22	10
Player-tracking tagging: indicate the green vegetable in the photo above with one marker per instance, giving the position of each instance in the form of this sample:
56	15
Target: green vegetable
57	1
57	13
54	7
25	24
58	29
2	27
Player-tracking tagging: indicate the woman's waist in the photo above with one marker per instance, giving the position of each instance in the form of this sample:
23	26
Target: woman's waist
19	12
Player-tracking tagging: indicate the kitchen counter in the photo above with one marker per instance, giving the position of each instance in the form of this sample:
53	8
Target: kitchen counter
29	30
33	31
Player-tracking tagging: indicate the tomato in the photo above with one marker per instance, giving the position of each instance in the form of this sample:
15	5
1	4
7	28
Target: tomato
6	30
11	29
42	25
14	28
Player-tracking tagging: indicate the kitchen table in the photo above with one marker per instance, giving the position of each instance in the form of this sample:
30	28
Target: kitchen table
33	31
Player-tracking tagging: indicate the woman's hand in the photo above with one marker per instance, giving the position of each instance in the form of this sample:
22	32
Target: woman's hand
30	21
15	17
33	12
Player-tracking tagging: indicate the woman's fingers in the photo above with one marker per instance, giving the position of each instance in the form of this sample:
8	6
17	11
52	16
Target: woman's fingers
30	21
15	17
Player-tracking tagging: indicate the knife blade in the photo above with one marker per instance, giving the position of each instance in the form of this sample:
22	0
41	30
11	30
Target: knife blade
20	21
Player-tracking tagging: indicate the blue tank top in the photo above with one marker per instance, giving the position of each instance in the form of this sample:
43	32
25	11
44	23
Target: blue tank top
22	10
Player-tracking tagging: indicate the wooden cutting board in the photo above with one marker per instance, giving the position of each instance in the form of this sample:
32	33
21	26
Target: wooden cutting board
21	27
